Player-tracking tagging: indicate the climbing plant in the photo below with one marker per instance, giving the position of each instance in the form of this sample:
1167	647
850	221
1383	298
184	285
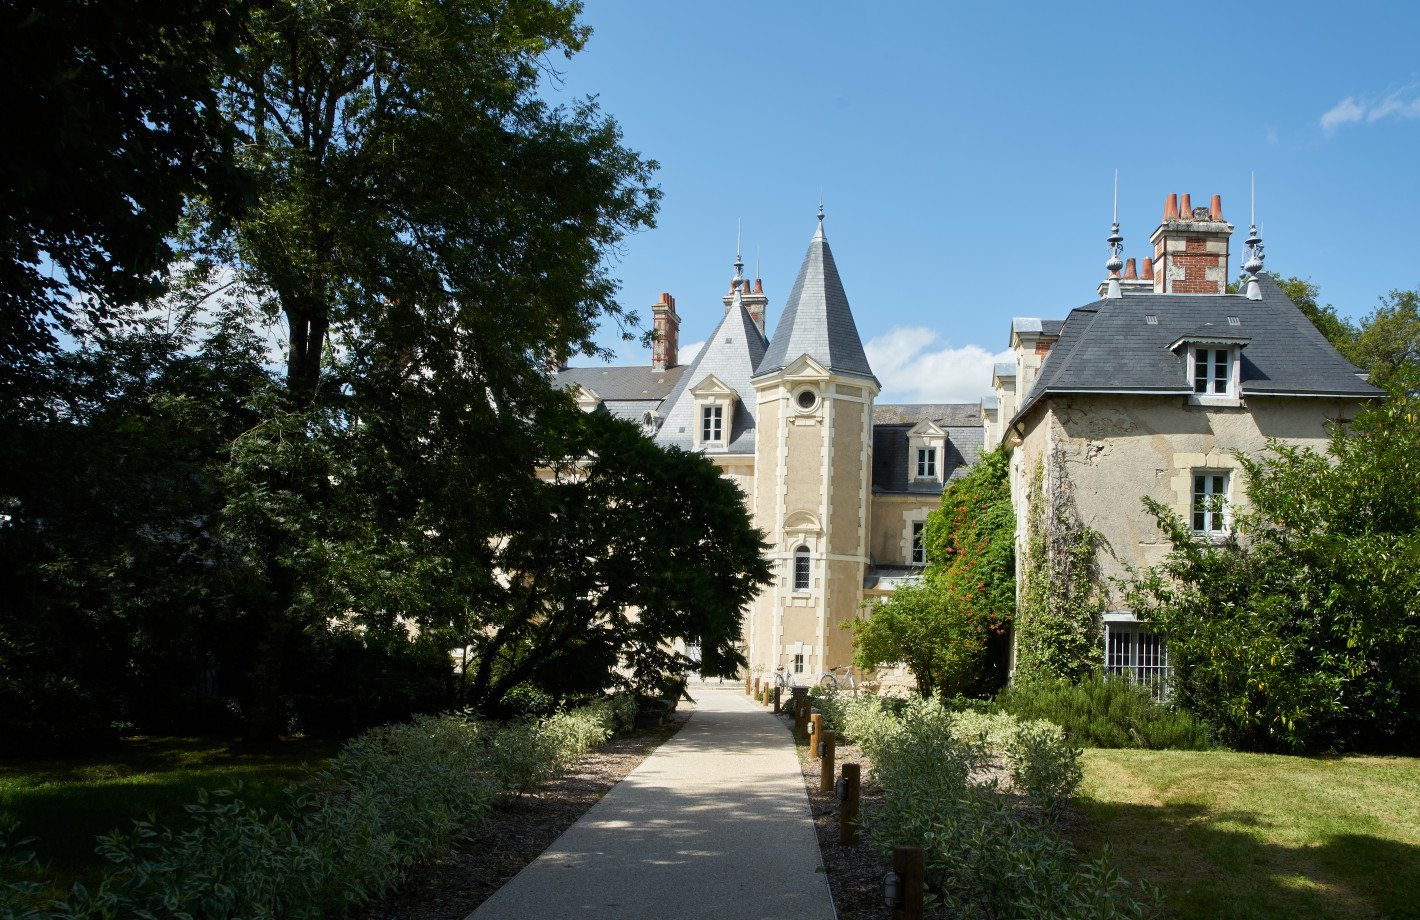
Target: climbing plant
1059	619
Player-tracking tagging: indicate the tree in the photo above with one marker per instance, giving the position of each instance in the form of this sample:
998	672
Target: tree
1302	630
415	199
951	630
111	121
628	547
1387	345
921	626
122	595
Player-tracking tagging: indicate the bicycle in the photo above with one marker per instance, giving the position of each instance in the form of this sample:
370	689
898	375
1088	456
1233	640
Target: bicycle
830	679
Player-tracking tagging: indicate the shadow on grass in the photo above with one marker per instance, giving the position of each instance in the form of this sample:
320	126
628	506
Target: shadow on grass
1216	864
67	803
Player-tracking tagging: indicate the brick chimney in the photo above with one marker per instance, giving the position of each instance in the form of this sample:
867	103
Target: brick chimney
1190	249
754	300
664	353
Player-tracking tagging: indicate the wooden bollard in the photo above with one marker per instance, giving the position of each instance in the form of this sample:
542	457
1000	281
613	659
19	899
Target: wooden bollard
756	688
848	812
910	865
825	770
747	679
776	699
815	732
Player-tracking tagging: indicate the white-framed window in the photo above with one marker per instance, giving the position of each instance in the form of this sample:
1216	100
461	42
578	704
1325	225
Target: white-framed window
919	546
802	568
1212	371
1210	502
712	419
926	463
798	664
1133	652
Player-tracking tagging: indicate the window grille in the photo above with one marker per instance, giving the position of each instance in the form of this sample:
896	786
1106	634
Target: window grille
1137	655
801	569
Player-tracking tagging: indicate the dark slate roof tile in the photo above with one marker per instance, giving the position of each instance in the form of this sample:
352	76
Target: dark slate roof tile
817	320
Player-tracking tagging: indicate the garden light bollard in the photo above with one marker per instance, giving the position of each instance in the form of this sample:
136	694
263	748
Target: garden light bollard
848	812
815	734
909	865
825	770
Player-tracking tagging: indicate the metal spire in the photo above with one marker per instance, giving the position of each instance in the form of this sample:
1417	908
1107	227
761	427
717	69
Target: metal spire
1253	265
739	263
1116	246
820	204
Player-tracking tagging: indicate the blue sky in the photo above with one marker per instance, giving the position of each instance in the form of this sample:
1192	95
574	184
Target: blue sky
967	152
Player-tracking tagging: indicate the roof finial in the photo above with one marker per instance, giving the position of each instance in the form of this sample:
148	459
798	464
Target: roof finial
1116	246
756	263
820	204
1253	265
739	263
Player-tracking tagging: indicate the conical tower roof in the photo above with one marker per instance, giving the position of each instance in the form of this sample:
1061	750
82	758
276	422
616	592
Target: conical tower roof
817	320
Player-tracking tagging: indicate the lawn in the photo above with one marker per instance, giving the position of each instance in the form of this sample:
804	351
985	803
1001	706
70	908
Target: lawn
1243	836
67	802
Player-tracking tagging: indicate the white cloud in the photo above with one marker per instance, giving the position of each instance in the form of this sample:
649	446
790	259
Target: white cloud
1345	111
1400	104
686	353
910	370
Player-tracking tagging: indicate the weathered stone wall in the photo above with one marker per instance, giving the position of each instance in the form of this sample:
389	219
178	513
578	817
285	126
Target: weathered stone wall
1118	449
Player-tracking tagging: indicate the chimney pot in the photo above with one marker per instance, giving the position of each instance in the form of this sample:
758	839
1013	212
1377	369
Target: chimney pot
1185	207
758	286
1130	273
1216	208
1171	207
1146	269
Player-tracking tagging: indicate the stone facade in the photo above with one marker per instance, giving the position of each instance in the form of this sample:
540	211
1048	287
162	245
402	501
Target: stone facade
1156	391
839	483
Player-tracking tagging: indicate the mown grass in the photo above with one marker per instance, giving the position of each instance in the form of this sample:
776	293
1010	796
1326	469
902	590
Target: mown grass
1260	837
67	802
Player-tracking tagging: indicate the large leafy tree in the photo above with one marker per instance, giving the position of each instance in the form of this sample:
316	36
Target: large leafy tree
626	547
111	121
1302	630
418	205
1387	343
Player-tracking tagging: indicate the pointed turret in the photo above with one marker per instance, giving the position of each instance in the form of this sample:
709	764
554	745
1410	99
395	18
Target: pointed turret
817	320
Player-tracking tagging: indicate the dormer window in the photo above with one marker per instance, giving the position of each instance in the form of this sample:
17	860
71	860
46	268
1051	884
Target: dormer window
927	448
712	424
714	412
1213	359
1210	370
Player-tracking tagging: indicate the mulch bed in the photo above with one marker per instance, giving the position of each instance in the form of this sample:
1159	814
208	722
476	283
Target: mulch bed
516	834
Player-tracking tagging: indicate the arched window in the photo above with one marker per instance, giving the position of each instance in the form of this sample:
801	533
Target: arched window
801	569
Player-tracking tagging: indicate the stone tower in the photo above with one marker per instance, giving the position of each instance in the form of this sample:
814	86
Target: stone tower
813	461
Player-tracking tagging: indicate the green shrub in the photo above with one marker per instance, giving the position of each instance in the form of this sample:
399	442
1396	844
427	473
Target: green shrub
1106	712
396	796
982	857
1044	765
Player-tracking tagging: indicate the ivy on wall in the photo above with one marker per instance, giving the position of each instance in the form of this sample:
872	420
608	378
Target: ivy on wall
1059	620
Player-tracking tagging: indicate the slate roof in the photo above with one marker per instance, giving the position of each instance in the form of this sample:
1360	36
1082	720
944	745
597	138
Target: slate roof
817	320
617	383
731	353
946	415
891	455
1107	346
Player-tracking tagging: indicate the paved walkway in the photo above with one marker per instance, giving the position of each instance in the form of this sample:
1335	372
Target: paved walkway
714	824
